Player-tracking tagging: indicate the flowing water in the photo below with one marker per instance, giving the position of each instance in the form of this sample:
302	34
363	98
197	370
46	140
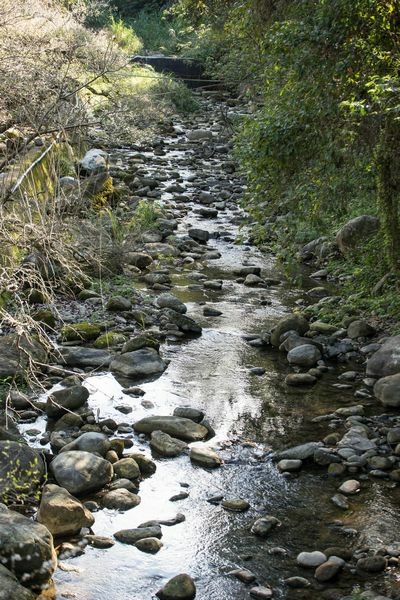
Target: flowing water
252	415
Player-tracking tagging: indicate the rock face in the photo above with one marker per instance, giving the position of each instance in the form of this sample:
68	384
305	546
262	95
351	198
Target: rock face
306	355
15	351
387	390
138	364
180	587
65	400
26	548
291	323
179	427
61	513
356	231
386	361
81	472
11	589
22	471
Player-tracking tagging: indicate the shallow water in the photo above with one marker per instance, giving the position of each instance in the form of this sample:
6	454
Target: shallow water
251	415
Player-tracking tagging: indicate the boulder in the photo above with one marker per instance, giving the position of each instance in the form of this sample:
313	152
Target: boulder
180	587
16	351
301	452
179	427
167	300
81	472
22	472
387	390
77	356
149	545
61	513
140	260
199	235
184	323
165	445
120	499
94	161
205	457
126	468
26	548
306	355
118	304
142	340
290	323
131	536
138	364
311	559
66	400
356	232
11	589
96	443
386	361
360	328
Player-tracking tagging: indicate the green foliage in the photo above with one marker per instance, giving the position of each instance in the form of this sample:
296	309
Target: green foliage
146	215
125	36
176	93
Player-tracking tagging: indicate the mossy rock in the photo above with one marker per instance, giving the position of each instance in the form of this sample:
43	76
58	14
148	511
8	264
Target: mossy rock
45	317
83	332
36	296
107	340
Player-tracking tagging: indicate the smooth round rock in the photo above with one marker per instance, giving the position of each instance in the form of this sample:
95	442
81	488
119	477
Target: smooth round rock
181	587
311	559
235	504
289	465
149	545
350	487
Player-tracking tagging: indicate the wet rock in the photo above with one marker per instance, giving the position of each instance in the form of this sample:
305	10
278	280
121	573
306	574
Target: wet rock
301	452
131	536
306	355
387	390
329	569
289	465
343	553
386	361
138	342
127	468
252	280
205	457
350	487
184	323
235	504
11	589
291	323
340	501
297	582
138	364
170	301
145	464
357	439
311	559
261	592
263	526
181	587
100	541
121	499
356	232
165	445
61	513
149	545
200	235
26	548
360	328
300	379
81	472
179	427
323	457
372	564
180	496
97	443
187	412
209	311
22	471
243	575
76	356
382	463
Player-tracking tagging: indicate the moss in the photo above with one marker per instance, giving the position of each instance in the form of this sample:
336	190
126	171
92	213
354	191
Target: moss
102	198
107	340
81	332
45	317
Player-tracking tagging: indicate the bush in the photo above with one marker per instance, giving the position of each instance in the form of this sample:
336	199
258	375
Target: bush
125	36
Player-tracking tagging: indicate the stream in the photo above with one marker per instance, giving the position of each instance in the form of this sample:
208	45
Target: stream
252	415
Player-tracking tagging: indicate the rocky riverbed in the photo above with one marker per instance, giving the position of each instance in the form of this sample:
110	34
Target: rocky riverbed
196	424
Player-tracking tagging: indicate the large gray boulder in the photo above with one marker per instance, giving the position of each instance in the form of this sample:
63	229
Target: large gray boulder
356	232
81	472
66	400
78	356
179	427
22	472
26	548
168	300
11	589
61	513
305	355
16	351
138	364
290	323
386	361
91	441
387	390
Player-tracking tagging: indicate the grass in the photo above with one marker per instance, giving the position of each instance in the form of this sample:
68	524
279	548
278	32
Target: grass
125	37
